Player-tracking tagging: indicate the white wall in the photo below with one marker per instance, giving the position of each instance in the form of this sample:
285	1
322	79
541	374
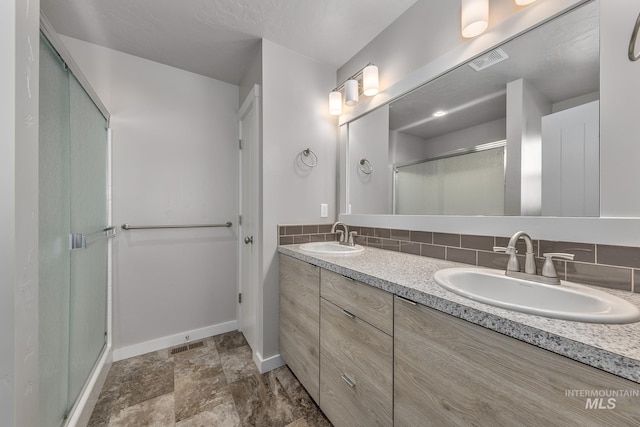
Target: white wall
7	207
369	139
19	47
523	175
295	116
252	75
175	161
404	147
619	107
493	131
407	148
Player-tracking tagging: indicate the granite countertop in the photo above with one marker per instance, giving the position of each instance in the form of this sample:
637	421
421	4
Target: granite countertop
612	348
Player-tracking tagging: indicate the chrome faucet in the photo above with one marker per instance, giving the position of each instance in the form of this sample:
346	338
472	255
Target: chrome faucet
529	260
342	235
548	276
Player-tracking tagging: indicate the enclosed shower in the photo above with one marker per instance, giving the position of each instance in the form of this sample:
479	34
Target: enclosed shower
74	231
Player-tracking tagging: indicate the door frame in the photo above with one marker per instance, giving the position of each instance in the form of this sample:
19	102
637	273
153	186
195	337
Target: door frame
252	100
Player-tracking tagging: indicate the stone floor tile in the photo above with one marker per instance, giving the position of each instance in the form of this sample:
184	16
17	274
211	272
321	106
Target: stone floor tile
201	393
238	363
224	415
143	378
262	401
230	340
156	412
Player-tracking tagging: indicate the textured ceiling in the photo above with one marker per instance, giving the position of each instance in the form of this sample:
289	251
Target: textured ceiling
218	38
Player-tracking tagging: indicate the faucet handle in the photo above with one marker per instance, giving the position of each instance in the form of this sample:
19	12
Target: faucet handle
513	264
548	269
352	237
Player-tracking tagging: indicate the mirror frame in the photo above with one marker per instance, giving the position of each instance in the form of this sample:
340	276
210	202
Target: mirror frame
605	230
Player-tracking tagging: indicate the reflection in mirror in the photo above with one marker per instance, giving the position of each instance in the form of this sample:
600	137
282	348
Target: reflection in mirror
465	182
538	92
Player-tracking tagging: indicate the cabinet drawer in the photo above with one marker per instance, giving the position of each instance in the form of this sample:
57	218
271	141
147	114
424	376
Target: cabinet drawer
364	354
300	321
370	304
344	405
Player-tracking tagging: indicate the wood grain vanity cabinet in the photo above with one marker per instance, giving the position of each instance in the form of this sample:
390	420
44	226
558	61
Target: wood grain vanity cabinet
356	352
300	321
451	372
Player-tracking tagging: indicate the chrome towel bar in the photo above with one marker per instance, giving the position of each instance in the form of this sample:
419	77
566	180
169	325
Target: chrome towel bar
146	227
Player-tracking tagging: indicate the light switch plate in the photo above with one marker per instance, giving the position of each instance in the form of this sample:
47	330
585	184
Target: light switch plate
324	210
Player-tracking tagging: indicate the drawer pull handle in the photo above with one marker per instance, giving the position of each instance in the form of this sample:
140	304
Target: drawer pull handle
349	315
348	380
406	300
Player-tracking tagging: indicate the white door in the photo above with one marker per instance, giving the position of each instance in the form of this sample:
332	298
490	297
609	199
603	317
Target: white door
249	225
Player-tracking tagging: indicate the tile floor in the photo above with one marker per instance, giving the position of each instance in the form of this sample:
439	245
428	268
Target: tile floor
215	385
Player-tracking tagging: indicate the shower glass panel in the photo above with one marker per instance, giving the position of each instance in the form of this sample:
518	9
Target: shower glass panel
54	229
466	184
72	200
88	318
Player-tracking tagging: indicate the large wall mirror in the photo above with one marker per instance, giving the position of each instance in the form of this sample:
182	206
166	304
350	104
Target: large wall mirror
512	132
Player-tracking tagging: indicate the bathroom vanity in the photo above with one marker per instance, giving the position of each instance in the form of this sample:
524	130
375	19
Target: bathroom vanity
376	342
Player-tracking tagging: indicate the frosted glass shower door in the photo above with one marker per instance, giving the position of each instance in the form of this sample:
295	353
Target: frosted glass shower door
466	184
88	296
72	200
54	228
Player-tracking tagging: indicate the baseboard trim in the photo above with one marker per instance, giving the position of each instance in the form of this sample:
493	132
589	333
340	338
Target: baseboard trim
171	340
268	364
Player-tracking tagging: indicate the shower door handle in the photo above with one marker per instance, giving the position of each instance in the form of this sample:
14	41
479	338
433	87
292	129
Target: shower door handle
248	240
81	240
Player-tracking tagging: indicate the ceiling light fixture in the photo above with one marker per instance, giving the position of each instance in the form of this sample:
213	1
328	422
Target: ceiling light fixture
524	2
475	17
440	113
366	79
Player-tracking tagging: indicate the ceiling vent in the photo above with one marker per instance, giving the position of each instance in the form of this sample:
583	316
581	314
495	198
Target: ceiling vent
486	61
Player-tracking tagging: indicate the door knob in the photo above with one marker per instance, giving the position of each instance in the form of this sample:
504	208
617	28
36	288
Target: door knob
248	240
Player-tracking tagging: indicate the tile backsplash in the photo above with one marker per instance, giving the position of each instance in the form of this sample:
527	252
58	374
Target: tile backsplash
296	234
616	267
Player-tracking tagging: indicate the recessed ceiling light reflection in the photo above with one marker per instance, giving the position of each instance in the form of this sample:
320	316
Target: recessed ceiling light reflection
440	113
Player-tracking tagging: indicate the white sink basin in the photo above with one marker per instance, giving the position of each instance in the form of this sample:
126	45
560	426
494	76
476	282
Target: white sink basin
567	301
330	248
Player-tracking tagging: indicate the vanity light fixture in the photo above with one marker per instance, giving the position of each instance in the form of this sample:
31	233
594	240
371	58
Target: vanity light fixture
475	17
524	2
351	92
370	80
440	113
366	79
335	103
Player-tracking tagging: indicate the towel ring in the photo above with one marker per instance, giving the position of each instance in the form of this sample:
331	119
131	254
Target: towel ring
309	155
365	167
632	43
